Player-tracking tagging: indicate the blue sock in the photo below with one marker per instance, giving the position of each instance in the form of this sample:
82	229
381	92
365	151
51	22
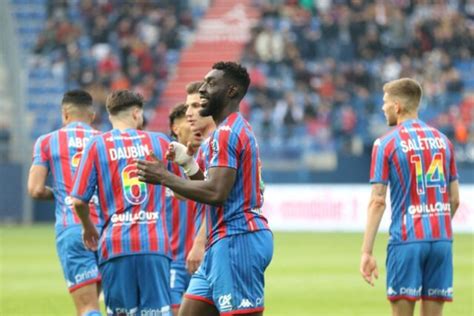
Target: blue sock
92	313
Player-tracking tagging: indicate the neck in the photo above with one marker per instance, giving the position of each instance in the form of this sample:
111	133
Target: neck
407	116
228	110
78	120
208	130
122	124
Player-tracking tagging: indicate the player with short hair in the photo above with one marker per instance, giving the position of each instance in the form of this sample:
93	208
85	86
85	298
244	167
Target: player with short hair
60	152
230	279
417	161
134	247
186	217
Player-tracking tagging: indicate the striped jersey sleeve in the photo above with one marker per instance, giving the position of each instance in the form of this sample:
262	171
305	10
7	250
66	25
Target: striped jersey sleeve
41	151
224	148
85	179
380	164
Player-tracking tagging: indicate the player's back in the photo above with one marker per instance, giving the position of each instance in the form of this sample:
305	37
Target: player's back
417	160
134	212
233	145
60	151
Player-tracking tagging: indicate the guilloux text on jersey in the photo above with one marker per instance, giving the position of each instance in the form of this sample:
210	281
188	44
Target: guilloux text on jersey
422	143
129	152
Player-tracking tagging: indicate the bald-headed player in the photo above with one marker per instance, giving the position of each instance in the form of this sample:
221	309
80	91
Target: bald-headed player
417	162
60	152
230	279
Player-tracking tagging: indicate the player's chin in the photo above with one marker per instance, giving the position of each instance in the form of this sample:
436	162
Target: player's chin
206	111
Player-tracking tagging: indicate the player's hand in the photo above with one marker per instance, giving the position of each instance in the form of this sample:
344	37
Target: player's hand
171	152
195	256
151	171
90	237
368	267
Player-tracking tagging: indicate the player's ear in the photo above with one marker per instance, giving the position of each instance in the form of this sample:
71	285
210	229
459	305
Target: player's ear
174	129
233	91
64	116
91	116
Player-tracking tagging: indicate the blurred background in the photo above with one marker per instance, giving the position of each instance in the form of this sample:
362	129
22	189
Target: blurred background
317	70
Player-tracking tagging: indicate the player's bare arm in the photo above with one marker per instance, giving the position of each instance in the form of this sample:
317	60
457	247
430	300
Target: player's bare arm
368	264
454	196
37	187
213	191
90	234
196	254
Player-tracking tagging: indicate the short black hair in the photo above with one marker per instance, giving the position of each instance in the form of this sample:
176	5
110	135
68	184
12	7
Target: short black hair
121	100
235	72
179	111
77	98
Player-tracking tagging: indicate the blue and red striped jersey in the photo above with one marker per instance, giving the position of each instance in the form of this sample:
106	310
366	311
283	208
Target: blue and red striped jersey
233	145
60	152
417	161
134	212
185	221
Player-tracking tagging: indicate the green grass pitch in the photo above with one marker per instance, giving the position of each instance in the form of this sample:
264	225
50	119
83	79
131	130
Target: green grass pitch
311	274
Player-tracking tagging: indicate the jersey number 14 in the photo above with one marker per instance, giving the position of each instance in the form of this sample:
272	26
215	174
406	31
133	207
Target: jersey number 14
434	177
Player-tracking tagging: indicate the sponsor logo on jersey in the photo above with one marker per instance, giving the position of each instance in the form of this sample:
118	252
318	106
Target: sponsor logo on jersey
225	302
391	292
435	208
87	275
245	303
140	217
225	128
441	292
410	291
155	311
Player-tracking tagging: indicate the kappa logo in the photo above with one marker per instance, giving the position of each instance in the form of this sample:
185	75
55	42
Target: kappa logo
225	128
391	292
245	303
225	302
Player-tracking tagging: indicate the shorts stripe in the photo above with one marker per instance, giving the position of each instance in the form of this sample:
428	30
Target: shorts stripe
243	311
198	298
78	286
403	297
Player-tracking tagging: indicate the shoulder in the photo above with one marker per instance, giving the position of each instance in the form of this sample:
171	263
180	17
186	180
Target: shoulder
44	139
156	135
387	138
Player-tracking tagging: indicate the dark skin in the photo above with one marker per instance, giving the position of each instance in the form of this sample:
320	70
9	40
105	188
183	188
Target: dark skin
220	97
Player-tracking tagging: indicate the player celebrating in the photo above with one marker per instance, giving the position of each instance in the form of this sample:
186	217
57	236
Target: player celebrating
417	161
230	279
60	151
134	247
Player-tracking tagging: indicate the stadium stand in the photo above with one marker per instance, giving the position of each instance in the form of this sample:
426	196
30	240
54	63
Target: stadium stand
317	68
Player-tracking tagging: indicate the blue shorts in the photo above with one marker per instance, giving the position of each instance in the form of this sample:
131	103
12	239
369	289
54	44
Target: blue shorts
80	266
179	281
137	285
420	270
231	276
